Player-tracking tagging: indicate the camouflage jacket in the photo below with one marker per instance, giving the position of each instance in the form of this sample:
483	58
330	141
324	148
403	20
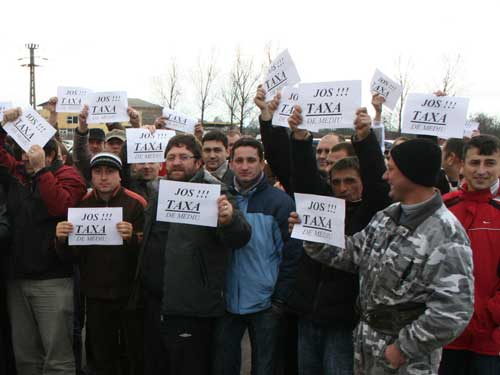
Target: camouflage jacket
427	261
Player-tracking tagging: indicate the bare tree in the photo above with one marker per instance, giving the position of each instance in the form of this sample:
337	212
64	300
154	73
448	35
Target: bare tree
245	80
167	87
450	80
403	77
229	96
203	79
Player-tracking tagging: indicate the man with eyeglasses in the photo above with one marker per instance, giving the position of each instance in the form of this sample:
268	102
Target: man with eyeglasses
182	271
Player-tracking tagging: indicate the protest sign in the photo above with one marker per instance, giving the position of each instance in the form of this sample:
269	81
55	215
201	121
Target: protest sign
322	219
30	129
470	126
107	107
329	105
95	226
281	73
188	203
289	97
385	86
3	107
146	147
71	99
442	116
178	121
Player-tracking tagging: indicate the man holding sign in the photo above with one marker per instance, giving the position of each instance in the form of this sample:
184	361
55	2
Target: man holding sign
261	273
183	267
107	271
40	286
415	268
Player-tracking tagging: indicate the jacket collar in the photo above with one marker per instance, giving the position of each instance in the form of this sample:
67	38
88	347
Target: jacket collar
258	186
113	195
394	212
484	195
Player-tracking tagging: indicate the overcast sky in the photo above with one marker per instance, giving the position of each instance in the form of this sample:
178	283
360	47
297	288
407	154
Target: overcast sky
111	45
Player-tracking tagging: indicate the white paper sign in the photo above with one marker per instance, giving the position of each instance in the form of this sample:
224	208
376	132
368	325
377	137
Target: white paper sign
178	121
144	147
71	99
281	73
388	88
95	226
188	203
289	98
442	116
107	107
30	129
3	107
322	219
470	126
329	105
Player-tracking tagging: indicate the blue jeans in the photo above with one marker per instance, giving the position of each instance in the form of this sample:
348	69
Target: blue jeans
464	362
263	328
324	350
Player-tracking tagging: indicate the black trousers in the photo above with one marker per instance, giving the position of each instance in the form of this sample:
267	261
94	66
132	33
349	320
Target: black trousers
187	344
463	362
112	329
175	345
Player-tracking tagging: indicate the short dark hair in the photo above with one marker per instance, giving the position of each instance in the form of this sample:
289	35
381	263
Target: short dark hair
344	146
215	135
351	162
456	146
51	145
248	142
486	144
187	140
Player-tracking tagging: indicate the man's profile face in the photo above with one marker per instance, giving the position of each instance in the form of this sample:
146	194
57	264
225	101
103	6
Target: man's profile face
231	140
399	184
146	171
96	146
323	150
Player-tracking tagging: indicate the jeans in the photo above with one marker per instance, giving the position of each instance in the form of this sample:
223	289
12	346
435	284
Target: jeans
41	315
464	362
263	329
324	350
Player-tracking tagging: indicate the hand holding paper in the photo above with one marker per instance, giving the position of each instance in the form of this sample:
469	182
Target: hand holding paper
11	115
294	121
362	124
125	229
63	229
225	210
36	156
322	219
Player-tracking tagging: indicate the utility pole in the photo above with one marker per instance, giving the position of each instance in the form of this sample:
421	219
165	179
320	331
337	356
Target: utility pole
32	47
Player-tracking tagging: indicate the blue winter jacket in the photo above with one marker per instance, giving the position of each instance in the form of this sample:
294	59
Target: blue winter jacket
263	271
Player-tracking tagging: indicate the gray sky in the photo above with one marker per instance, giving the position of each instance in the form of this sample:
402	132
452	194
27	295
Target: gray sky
120	45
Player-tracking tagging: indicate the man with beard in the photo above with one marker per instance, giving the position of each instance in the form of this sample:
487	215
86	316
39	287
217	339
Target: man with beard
182	272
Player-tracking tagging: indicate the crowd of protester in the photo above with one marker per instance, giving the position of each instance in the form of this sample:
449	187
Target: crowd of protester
416	290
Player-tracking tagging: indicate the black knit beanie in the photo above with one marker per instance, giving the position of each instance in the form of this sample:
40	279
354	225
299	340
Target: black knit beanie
419	160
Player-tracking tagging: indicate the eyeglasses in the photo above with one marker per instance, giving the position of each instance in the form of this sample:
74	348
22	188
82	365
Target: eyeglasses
182	158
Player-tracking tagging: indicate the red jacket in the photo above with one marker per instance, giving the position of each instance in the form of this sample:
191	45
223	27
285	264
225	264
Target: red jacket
479	213
35	205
